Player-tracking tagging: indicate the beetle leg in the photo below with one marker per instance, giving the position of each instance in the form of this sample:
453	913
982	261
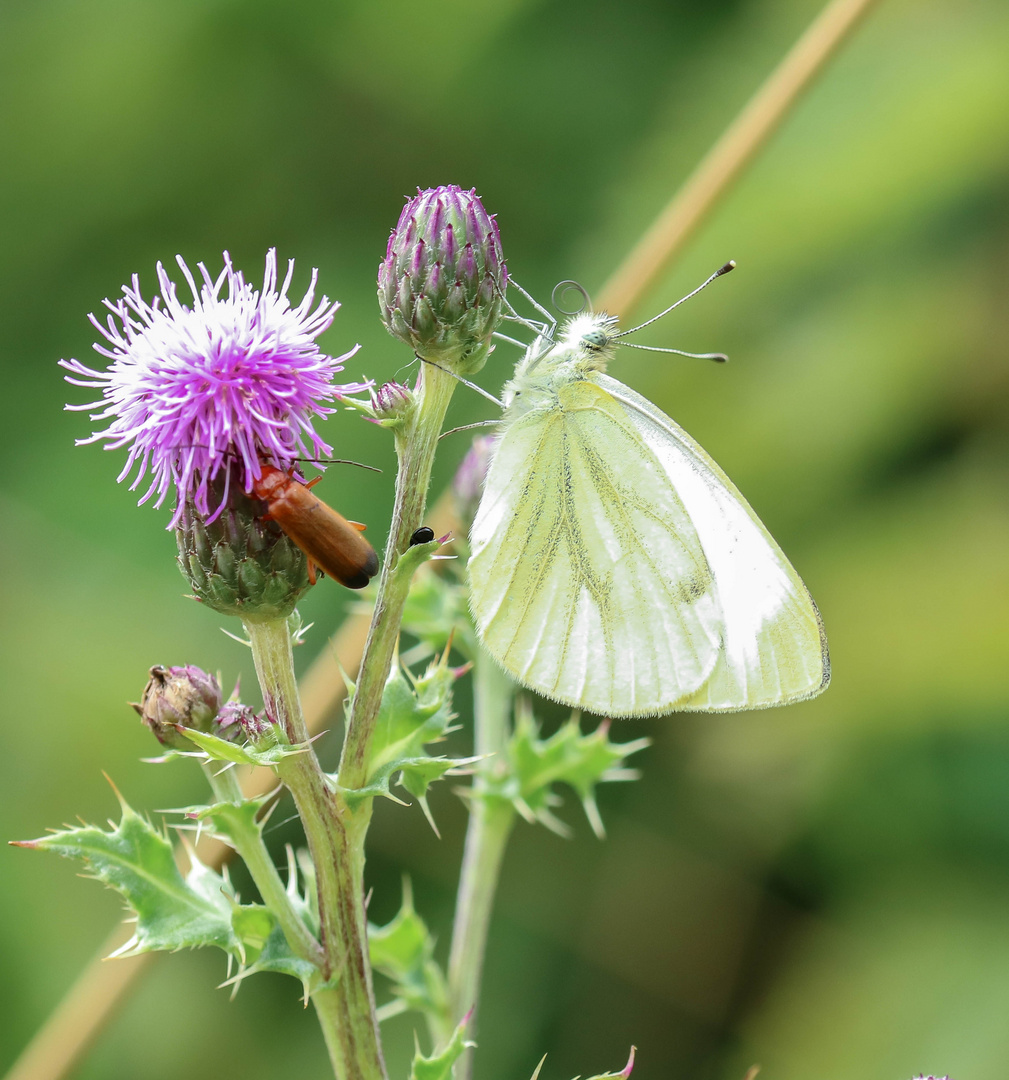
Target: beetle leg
311	483
357	525
311	572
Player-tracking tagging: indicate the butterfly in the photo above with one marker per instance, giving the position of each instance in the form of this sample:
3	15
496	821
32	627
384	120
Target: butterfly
614	567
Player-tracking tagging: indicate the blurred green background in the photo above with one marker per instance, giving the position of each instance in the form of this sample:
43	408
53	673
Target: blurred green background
824	888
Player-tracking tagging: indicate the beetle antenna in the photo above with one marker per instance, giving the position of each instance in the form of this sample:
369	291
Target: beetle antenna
730	265
307	460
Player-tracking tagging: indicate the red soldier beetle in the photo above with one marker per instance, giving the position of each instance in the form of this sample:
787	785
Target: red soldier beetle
330	542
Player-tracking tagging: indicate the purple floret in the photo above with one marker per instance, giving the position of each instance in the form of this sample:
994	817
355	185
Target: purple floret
233	378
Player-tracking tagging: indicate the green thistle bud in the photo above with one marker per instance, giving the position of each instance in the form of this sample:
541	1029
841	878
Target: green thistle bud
392	403
179	695
443	279
236	561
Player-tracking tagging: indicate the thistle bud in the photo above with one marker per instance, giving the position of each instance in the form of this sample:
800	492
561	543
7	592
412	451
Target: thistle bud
442	282
392	401
183	696
239	723
240	563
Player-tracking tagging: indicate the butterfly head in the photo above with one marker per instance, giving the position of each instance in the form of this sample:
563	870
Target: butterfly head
592	336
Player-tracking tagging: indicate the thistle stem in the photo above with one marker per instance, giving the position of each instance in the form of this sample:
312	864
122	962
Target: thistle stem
415	447
247	840
490	824
335	838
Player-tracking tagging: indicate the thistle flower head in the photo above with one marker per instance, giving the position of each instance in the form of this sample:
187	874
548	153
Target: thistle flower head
443	278
234	378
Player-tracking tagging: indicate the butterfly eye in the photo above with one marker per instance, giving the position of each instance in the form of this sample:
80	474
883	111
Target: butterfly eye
595	340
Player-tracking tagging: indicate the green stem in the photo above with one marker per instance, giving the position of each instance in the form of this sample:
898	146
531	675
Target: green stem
415	447
346	1007
490	824
248	842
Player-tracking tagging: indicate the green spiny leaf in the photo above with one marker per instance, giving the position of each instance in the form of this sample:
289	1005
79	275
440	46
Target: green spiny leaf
439	1066
532	767
403	951
436	613
413	713
173	912
624	1073
269	751
272	953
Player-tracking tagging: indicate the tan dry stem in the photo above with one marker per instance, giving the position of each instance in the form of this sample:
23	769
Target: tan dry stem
726	160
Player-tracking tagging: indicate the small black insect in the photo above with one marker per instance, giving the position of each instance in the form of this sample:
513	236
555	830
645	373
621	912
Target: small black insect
423	535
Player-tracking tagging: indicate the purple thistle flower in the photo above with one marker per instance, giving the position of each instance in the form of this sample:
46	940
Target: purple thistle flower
233	378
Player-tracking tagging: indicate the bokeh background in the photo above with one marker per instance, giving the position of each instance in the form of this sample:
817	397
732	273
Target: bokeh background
823	888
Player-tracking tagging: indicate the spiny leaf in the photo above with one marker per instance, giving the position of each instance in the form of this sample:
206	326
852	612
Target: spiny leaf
413	713
173	912
439	1066
270	751
532	766
436	614
403	951
273	952
624	1073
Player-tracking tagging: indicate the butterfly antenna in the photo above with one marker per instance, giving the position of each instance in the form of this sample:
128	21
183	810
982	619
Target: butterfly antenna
730	265
566	286
718	357
473	386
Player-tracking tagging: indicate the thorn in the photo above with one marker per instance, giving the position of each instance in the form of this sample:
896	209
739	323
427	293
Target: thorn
125	949
751	1072
116	791
23	843
595	820
626	1070
427	813
448	648
535	1075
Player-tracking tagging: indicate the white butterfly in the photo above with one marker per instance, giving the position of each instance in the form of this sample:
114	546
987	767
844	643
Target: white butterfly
615	567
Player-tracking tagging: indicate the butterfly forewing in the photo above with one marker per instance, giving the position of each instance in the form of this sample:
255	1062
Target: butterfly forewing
589	582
